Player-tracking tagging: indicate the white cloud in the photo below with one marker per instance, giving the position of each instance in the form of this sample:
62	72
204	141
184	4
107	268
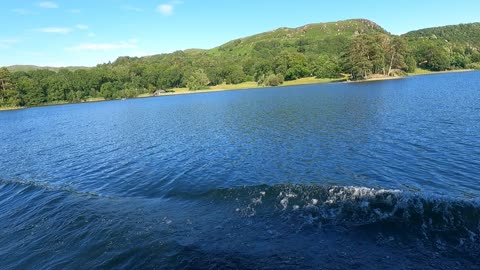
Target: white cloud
75	11
7	43
103	46
81	26
55	30
132	8
22	11
91	34
165	9
10	40
33	54
48	5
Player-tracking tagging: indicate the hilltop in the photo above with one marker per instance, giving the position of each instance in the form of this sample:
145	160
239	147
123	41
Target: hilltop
321	38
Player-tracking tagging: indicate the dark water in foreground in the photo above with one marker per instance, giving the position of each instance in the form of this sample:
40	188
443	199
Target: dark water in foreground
338	176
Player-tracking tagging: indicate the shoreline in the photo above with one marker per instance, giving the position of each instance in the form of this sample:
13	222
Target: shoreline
422	72
378	79
251	86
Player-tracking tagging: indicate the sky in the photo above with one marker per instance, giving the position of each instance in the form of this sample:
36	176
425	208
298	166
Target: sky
91	32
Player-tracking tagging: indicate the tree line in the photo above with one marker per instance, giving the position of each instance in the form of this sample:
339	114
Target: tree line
269	64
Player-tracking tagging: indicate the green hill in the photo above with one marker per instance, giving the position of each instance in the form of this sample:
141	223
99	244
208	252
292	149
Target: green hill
446	47
290	52
356	48
320	38
462	34
27	68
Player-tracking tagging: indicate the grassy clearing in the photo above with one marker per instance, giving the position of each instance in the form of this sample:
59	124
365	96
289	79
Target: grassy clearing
10	108
313	80
252	85
94	99
420	71
220	87
244	85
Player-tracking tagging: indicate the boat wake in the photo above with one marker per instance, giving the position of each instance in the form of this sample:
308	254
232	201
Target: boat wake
437	219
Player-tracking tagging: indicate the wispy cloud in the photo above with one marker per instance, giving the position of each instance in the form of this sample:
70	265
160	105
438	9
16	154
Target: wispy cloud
22	11
165	9
48	5
75	11
54	64
55	30
168	8
7	43
91	35
33	53
103	46
132	8
81	26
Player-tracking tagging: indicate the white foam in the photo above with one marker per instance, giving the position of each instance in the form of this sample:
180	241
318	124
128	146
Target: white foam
284	203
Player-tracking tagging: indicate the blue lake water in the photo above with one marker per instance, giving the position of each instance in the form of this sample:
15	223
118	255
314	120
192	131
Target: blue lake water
335	176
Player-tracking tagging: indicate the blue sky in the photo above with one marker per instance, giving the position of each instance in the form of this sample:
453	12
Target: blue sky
89	32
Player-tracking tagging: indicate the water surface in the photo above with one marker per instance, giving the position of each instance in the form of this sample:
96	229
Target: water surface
363	175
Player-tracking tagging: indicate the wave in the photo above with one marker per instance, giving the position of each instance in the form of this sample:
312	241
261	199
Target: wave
30	185
430	217
438	219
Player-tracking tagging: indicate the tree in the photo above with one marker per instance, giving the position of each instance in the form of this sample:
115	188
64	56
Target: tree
459	60
33	93
234	75
432	56
216	75
107	90
326	67
262	68
249	67
396	52
56	89
359	57
171	77
271	80
375	54
9	96
292	65
411	64
197	80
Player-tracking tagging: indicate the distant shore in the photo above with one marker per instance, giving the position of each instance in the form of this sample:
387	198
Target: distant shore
254	85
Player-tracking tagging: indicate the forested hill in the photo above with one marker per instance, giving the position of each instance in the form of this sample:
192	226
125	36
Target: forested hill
320	38
359	48
462	34
446	47
27	68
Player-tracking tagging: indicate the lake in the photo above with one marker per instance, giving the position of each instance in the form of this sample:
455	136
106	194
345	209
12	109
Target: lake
336	176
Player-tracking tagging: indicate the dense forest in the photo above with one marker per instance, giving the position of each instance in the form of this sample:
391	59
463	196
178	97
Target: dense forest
358	48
